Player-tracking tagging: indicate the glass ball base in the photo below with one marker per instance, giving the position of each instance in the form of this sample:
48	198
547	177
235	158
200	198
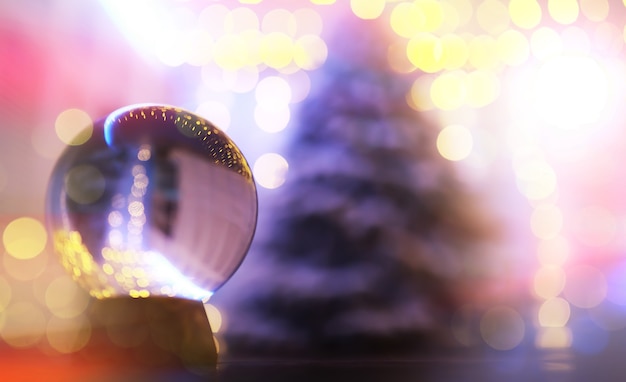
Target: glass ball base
158	333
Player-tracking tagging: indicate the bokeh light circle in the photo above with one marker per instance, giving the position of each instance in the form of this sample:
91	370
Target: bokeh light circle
502	328
585	287
24	238
455	142
270	170
73	126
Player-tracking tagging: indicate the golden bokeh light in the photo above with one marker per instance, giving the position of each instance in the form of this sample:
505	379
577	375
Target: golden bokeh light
65	299
513	47
276	50
455	142
502	328
367	9
554	313
554	251
455	51
24	324
419	97
595	10
554	338
525	14
309	52
451	19
448	91
546	221
563	11
425	52
465	10
230	52
24	238
68	335
411	18
482	86
483	53
535	179
549	282
545	42
492	16
214	316
397	58
25	269
73	127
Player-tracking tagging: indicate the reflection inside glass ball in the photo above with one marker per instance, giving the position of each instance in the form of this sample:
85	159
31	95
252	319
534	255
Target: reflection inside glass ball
157	202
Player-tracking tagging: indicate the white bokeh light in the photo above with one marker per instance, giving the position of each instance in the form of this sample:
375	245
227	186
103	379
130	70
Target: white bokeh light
273	92
270	170
216	112
570	91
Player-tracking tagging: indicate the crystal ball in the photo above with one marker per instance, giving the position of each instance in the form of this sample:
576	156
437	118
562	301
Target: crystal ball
157	202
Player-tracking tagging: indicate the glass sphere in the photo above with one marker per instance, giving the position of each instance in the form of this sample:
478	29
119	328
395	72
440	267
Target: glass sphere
158	201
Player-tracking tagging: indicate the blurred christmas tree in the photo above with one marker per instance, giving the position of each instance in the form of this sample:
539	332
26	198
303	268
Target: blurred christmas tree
372	235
